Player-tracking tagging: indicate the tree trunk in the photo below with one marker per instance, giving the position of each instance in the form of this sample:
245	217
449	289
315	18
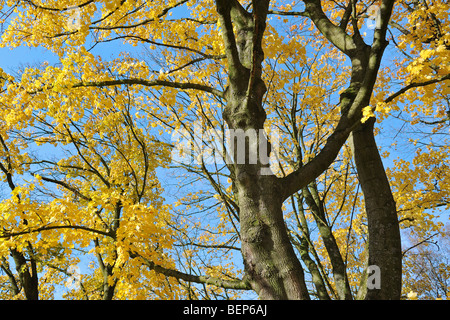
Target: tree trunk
272	267
271	264
28	280
311	196
108	289
383	227
107	272
304	248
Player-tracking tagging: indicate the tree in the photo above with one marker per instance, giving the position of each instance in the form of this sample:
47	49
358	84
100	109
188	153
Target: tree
102	192
427	265
238	81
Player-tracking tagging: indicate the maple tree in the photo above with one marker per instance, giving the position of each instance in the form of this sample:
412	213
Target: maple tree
125	161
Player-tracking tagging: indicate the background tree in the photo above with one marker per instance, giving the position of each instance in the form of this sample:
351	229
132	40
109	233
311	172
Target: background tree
427	267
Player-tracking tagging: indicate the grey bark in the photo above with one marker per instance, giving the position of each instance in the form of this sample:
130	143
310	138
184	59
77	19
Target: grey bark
383	227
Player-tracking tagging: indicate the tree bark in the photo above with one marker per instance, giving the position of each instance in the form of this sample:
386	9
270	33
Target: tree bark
383	227
269	258
28	280
107	272
271	264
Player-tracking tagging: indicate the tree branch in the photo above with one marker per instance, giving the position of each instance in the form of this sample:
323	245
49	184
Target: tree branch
288	13
336	35
227	284
151	83
162	14
67	186
415	85
56	9
4	234
349	120
224	8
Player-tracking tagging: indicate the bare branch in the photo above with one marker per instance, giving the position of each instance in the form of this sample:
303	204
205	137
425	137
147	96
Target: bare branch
415	85
150	83
227	284
5	234
336	35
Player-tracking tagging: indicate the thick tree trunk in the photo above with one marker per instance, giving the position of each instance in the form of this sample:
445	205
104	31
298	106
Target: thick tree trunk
272	267
108	289
271	264
107	272
383	227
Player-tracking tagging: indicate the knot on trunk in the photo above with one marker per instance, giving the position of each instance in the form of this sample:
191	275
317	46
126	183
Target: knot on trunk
256	232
